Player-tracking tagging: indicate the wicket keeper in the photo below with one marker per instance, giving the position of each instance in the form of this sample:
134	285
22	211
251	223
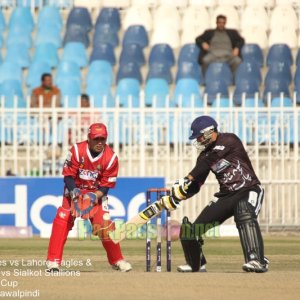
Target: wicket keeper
91	168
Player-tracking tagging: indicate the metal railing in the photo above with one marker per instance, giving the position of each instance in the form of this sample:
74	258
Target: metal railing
153	141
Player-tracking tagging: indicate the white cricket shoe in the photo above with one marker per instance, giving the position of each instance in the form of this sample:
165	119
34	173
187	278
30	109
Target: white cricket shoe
122	265
52	266
256	266
187	269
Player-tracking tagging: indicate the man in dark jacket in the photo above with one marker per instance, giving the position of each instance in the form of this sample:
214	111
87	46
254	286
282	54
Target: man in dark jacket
220	45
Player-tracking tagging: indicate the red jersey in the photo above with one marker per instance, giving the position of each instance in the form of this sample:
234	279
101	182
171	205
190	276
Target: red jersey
91	172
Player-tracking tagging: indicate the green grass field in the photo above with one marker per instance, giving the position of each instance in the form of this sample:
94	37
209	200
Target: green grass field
21	265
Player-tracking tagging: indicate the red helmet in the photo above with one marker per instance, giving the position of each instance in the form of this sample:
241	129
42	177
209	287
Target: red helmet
97	130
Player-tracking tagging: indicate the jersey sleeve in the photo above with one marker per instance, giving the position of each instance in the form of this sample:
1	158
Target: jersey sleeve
71	164
201	170
109	175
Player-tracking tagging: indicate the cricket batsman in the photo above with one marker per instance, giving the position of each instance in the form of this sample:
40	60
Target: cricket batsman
89	171
240	196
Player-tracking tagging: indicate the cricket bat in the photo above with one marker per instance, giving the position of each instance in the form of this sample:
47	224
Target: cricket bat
136	222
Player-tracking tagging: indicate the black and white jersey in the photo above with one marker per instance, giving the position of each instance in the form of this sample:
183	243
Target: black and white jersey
229	161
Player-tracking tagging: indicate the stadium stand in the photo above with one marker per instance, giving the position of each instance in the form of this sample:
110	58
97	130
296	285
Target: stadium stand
189	70
163	54
262	23
129	70
252	52
136	34
245	89
35	72
187	93
75	52
157	93
160	70
218	71
104	33
100	70
132	53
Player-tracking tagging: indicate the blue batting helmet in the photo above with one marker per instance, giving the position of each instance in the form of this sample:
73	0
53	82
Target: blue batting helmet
201	124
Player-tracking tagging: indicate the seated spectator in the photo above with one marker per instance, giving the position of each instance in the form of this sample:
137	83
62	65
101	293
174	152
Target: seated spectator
220	45
46	91
85	117
85	100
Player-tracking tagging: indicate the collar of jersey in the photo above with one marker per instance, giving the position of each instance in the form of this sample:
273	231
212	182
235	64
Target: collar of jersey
91	158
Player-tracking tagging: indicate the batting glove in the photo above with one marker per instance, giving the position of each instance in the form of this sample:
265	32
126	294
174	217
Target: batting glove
75	193
169	203
179	188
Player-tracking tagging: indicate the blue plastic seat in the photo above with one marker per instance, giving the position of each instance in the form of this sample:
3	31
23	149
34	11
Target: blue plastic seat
18	54
275	87
49	15
158	70
129	70
21	17
128	92
280	70
187	93
253	102
249	87
18	35
28	3
50	35
76	33
10	71
80	16
61	3
189	70
298	58
100	94
297	92
136	34
248	70
69	70
76	52
279	53
157	93
282	102
163	54
105	34
132	53
46	53
11	89
100	70
103	52
252	52
189	53
2	22
35	71
221	102
111	16
215	87
70	91
218	71
297	76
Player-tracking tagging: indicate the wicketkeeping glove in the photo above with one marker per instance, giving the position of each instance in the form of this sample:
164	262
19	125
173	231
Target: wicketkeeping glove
179	188
75	193
169	203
